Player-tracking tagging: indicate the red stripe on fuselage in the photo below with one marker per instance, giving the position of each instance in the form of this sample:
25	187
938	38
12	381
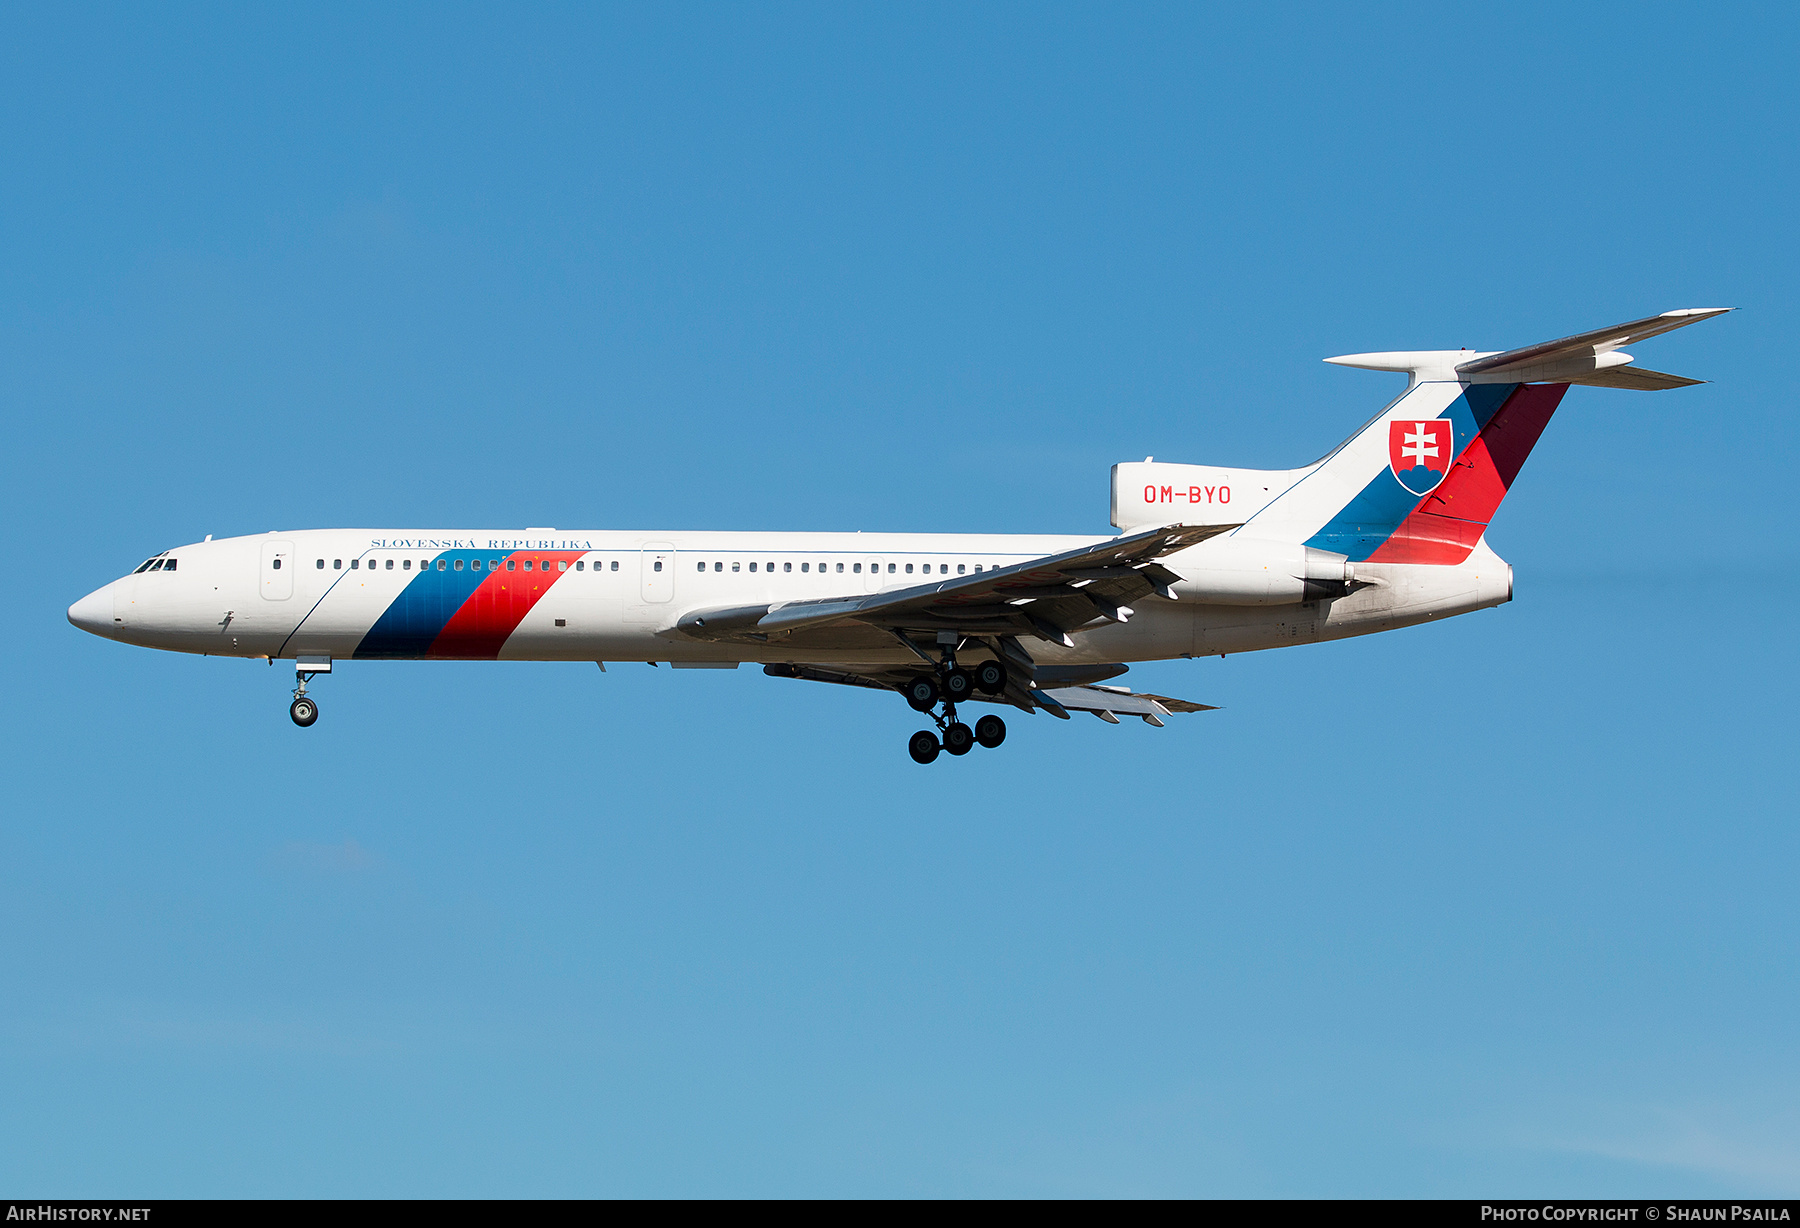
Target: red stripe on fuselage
1451	519
481	626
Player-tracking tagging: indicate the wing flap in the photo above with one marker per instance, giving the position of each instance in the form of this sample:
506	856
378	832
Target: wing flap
1103	701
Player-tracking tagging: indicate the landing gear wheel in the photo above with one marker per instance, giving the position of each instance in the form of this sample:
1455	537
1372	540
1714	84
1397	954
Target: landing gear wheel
922	694
923	746
958	684
990	676
990	731
304	711
959	739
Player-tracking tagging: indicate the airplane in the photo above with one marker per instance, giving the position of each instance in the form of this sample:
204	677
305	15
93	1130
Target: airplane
1385	531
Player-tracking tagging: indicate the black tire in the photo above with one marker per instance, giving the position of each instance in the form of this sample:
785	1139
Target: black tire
959	739
958	685
923	746
922	694
990	676
304	711
990	731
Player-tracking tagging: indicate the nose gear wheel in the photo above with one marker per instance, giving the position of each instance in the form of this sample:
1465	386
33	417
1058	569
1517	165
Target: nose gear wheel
303	711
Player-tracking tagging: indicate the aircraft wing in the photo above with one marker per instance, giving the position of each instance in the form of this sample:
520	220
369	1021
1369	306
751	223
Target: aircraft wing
1046	598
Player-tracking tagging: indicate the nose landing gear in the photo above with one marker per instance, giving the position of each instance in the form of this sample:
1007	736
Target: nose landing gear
303	710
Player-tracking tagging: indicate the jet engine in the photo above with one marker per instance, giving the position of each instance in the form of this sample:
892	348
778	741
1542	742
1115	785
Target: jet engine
1235	570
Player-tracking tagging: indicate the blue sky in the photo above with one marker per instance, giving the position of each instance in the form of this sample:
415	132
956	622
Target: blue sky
1497	906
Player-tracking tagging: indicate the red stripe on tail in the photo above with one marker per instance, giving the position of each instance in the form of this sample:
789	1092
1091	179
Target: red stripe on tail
1446	525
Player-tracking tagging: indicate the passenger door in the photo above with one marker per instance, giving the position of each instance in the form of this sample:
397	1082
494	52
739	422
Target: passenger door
658	575
277	570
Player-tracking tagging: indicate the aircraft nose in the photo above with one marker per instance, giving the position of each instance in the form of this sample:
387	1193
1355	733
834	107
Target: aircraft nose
94	613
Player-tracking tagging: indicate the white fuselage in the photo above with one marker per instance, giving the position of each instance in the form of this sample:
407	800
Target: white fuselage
616	596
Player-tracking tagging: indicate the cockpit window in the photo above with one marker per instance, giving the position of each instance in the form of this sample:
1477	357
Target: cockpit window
170	565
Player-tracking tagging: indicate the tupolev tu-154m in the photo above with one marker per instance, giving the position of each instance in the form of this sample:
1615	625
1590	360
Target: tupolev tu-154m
1386	531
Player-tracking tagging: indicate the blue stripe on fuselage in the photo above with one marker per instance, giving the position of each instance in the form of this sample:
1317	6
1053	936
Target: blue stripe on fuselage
408	627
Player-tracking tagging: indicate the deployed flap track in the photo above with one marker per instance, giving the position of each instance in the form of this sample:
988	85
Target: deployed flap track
1108	703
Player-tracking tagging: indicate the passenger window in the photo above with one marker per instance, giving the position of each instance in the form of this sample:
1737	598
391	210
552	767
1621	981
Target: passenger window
855	567
321	564
978	569
336	564
657	566
353	563
277	565
699	566
786	567
405	564
527	564
580	566
562	564
909	569
959	569
456	566
441	566
840	569
615	564
943	569
753	567
804	566
390	564
734	566
768	567
890	569
718	567
512	563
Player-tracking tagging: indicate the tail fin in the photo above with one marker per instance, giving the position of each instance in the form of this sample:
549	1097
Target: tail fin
1420	483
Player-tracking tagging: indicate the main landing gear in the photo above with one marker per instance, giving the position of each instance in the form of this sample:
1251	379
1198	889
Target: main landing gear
952	685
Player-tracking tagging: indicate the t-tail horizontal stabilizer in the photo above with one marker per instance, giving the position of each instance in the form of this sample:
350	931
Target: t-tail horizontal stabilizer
1596	358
